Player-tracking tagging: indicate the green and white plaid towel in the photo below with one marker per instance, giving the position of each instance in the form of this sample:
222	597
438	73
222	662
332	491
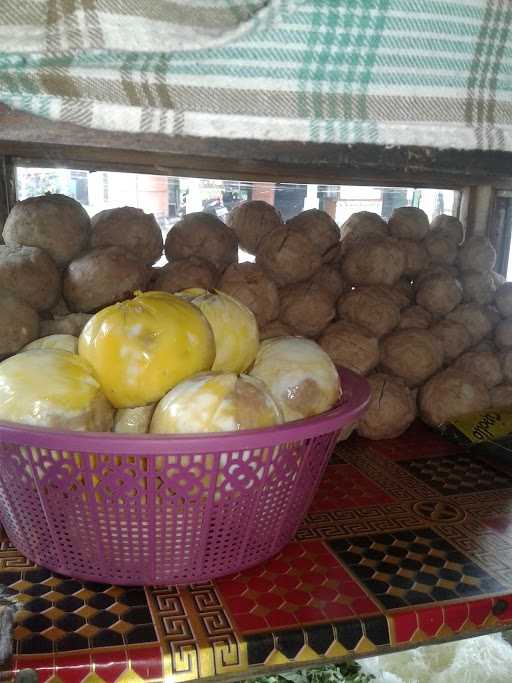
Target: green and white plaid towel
415	72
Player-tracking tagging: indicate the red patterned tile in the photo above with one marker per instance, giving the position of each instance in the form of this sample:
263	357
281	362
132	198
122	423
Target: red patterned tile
73	668
146	662
336	611
287	581
430	620
260	584
298	597
278	618
502	608
418	442
455	616
251	622
479	610
231	586
308	615
404	625
344	486
240	605
270	600
304	584
110	665
44	666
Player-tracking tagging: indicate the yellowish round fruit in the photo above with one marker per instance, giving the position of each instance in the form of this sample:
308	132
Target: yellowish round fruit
300	375
234	327
216	402
143	347
64	342
53	388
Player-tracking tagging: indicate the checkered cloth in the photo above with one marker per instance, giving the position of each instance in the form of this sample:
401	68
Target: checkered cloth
416	72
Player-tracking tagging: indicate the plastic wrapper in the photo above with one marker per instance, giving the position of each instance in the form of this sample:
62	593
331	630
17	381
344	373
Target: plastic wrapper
234	327
53	388
300	375
134	420
216	402
64	342
143	347
487	432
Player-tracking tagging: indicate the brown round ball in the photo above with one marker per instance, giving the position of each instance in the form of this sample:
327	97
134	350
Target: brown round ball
371	309
486	345
448	226
319	228
482	364
72	324
454	338
501	396
408	223
351	347
130	228
362	226
493	315
101	277
415	317
450	394
184	274
416	257
402	294
391	411
379	262
440	248
306	308
251	221
248	283
506	365
203	235
329	278
413	355
59	309
477	287
435	270
503	299
53	222
439	295
503	334
19	323
477	253
475	319
30	274
287	257
276	328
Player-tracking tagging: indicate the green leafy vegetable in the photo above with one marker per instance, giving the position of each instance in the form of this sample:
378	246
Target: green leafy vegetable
331	673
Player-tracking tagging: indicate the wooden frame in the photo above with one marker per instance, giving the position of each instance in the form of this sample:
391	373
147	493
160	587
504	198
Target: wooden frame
32	141
28	137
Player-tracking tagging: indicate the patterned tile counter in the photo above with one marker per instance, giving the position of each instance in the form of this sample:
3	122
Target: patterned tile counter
407	541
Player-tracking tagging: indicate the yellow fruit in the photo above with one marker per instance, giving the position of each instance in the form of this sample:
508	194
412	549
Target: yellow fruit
53	388
64	342
299	374
143	347
234	327
215	402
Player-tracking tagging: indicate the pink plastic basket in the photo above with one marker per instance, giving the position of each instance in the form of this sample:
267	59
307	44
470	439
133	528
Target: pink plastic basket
159	510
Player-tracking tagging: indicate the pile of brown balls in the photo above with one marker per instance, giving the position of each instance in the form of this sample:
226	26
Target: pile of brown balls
411	305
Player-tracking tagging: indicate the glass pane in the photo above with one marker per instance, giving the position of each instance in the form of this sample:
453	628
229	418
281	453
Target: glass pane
170	198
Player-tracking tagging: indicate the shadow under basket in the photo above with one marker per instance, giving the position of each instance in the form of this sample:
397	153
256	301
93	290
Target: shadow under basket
164	510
